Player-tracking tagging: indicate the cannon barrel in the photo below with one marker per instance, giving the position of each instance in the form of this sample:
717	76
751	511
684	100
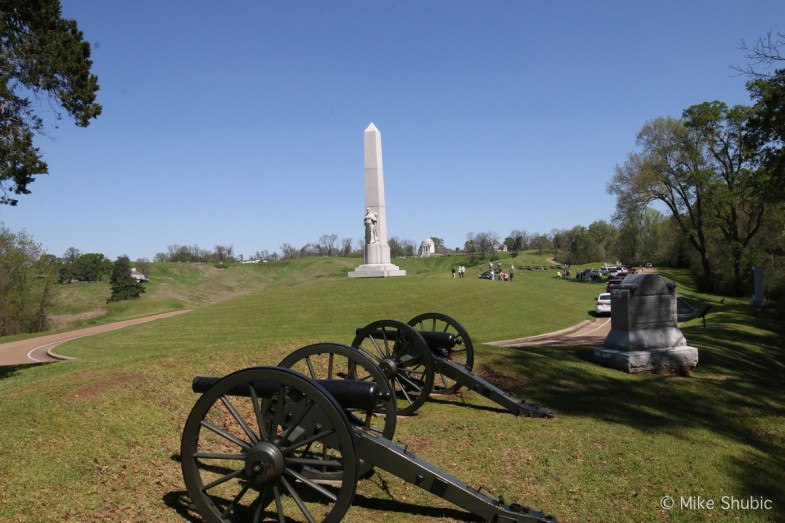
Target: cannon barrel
350	394
436	340
439	340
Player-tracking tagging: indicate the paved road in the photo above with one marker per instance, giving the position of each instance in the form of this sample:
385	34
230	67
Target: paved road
585	333
38	350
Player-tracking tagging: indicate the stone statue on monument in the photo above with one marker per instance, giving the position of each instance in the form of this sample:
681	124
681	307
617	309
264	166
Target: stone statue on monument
371	227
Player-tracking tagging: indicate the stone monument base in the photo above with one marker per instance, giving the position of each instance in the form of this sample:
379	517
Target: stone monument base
376	270
670	359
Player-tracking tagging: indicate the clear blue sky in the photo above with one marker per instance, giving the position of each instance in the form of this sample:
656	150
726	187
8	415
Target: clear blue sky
242	122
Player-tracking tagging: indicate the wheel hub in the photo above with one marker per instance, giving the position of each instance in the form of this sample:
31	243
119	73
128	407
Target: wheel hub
389	367
265	461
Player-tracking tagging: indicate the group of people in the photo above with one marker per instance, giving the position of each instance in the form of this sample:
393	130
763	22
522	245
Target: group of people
499	274
460	271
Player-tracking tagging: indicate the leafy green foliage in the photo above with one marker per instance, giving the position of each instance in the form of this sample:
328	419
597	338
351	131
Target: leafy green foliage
704	168
42	55
767	125
124	287
26	281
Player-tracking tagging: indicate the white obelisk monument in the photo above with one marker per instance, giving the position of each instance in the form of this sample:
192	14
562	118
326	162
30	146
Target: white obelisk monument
376	255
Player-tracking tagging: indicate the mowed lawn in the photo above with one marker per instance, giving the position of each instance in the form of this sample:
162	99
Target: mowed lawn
97	439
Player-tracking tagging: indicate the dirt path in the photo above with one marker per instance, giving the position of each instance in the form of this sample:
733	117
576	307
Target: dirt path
39	350
585	333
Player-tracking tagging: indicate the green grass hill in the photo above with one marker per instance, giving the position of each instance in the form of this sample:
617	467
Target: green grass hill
97	438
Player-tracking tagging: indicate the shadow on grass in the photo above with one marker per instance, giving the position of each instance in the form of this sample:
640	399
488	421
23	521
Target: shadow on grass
181	503
391	506
737	392
460	401
6	371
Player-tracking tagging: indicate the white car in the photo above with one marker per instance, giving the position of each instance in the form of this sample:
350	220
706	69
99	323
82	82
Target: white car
604	303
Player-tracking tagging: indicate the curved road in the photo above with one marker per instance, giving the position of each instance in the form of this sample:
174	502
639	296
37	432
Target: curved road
585	333
38	350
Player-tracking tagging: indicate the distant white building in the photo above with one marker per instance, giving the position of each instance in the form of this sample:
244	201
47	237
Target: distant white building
138	276
427	248
502	247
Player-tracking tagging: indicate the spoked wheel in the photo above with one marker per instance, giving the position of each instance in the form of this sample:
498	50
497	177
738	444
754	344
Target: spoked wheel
403	357
462	353
332	361
249	438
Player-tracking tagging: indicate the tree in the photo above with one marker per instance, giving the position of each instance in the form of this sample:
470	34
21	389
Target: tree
287	251
767	126
470	245
92	267
124	287
326	245
602	235
26	281
739	193
541	241
346	247
144	266
68	268
764	54
516	241
702	167
43	56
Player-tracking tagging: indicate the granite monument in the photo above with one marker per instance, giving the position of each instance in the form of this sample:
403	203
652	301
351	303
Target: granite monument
644	335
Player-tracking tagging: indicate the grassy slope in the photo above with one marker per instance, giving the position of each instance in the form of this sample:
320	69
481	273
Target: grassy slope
95	439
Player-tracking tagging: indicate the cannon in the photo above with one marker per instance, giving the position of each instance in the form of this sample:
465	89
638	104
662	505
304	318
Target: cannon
270	443
431	354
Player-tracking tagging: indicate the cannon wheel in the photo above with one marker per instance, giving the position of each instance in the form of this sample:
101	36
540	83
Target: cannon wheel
404	358
243	457
462	354
330	361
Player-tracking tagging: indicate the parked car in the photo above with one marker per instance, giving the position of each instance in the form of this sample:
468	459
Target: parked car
604	303
612	283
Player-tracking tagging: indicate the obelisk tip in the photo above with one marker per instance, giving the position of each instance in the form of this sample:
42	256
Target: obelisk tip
371	128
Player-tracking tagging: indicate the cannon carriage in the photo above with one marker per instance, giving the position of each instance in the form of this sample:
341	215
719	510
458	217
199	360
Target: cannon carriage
431	354
271	443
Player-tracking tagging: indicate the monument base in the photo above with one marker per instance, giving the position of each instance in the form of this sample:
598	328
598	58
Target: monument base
671	359
758	302
376	270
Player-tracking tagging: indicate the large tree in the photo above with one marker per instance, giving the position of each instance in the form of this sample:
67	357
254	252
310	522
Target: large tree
702	167
42	56
767	125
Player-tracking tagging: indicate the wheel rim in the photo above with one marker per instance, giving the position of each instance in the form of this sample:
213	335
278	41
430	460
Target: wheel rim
462	354
243	456
335	361
403	356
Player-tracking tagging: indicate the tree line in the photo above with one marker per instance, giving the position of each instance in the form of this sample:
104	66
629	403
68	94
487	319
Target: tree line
719	171
28	276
